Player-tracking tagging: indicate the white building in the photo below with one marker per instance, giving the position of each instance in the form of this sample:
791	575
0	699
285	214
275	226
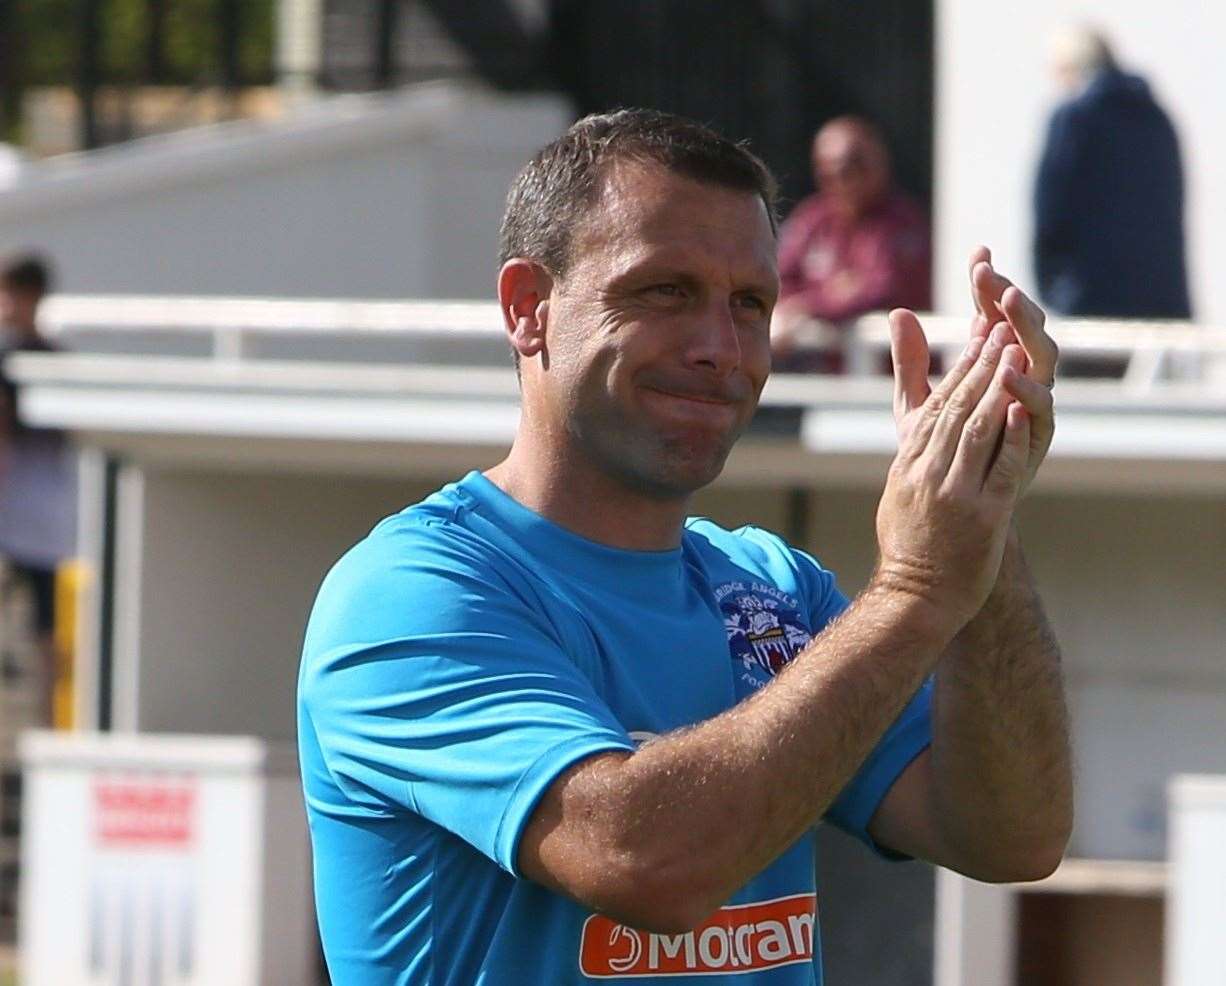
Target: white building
379	196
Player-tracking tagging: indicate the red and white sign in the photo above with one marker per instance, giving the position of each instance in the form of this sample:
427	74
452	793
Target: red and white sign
737	939
163	861
148	812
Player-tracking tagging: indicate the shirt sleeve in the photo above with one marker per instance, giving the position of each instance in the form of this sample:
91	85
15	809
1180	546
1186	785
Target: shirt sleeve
435	687
907	737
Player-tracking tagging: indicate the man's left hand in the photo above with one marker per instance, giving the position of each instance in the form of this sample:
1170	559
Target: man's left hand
997	300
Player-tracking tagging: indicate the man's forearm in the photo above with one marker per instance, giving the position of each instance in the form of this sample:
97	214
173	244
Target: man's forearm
704	809
1002	781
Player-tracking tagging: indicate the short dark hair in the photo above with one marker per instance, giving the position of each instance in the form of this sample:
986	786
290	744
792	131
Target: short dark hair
26	272
556	189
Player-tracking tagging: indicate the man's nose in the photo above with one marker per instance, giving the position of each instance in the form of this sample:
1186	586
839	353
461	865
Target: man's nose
715	343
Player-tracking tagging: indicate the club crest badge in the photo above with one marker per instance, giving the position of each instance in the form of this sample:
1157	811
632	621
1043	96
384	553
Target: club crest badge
764	626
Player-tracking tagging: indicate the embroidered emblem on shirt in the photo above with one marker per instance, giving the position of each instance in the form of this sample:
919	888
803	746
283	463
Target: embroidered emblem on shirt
765	631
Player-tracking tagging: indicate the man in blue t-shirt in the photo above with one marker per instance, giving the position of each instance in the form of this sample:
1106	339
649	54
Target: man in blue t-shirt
555	731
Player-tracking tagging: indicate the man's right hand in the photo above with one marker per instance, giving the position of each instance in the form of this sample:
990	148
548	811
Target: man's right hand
944	517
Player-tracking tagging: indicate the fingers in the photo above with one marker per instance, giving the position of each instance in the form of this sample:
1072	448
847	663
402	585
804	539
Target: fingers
1037	400
909	352
1032	395
987	286
981	323
1007	475
995	295
956	409
1027	320
979	255
926	417
980	436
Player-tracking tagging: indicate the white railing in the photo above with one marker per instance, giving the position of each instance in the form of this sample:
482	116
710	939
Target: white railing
1148	350
437	375
220	314
233	328
470	333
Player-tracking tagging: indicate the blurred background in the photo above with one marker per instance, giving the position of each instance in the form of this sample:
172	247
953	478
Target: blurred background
248	256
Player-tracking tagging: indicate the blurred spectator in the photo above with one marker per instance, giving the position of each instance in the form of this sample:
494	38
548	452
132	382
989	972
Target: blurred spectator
858	245
37	470
1109	193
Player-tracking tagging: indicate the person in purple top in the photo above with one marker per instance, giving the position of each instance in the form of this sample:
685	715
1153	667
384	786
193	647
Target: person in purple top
858	245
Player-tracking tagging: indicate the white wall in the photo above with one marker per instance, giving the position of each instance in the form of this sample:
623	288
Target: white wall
993	97
229	567
1134	591
366	196
229	563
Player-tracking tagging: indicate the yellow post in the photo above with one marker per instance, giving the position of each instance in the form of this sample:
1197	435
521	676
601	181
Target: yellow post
71	580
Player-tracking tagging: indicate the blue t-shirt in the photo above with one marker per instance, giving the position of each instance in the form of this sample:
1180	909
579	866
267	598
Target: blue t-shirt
467	652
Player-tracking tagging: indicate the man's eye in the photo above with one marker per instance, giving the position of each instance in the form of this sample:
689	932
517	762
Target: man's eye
665	290
753	302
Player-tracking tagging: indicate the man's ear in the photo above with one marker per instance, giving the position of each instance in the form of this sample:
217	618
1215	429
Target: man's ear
524	287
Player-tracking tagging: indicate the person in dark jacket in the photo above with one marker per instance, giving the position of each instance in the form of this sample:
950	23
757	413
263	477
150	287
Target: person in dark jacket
1109	237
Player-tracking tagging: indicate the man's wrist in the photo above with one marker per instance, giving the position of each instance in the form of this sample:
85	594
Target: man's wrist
919	618
1012	563
1013	541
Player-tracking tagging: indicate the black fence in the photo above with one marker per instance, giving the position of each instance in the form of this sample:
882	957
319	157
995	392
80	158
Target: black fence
770	71
90	45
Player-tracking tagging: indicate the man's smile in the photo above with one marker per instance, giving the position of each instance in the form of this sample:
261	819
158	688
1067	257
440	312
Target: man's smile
696	407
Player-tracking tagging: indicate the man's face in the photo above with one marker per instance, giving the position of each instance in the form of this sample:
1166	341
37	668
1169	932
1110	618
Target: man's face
658	337
849	166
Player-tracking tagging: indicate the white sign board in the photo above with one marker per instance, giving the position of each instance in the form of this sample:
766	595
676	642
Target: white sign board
1196	902
163	861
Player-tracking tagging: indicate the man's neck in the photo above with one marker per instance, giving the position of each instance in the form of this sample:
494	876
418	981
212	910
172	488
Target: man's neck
588	502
